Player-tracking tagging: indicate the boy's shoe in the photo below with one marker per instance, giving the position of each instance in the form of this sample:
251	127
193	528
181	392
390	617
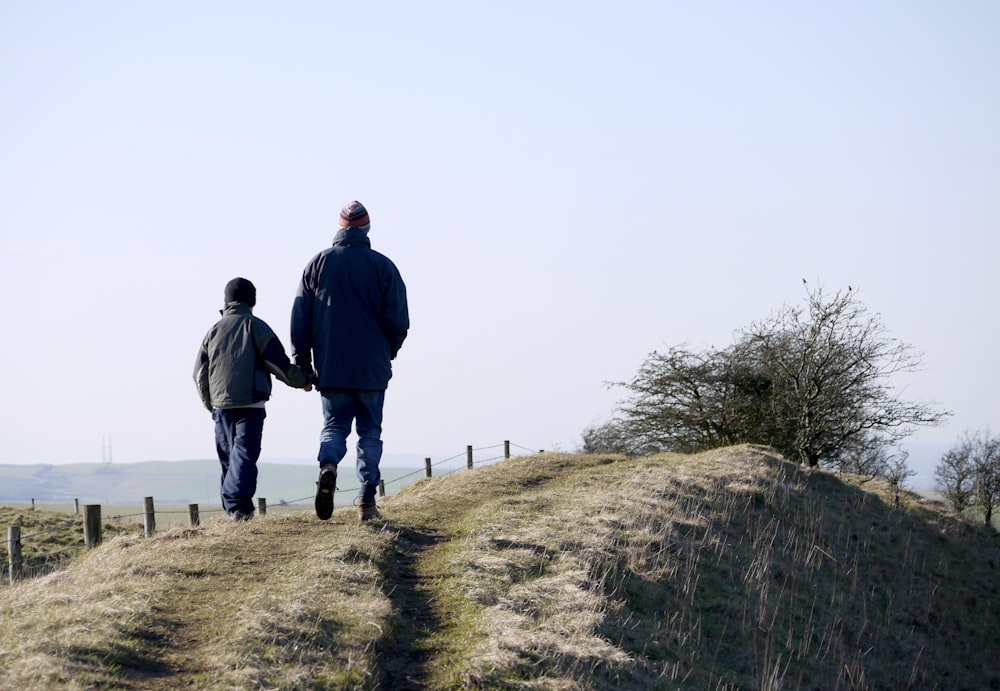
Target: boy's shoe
367	510
241	517
325	487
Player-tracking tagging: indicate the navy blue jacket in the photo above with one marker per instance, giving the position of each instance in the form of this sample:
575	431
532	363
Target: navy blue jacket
350	316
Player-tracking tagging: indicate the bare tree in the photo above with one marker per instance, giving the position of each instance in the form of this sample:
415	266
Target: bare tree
896	472
956	474
866	456
608	437
815	383
986	464
678	403
832	366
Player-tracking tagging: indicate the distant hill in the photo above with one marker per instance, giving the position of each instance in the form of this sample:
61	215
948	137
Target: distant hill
732	569
168	482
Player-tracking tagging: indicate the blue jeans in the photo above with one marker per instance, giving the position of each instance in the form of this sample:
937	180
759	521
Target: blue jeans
238	433
341	408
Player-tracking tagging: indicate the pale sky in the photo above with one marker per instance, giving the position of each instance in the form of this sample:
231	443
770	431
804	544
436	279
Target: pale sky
564	186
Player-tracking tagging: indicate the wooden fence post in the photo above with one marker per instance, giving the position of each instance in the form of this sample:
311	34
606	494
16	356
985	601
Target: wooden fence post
193	515
91	525
468	456
14	552
381	488
427	467
506	448
148	518
261	506
32	503
76	507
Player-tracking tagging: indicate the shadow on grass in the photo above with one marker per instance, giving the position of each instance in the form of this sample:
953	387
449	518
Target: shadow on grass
806	586
129	663
404	650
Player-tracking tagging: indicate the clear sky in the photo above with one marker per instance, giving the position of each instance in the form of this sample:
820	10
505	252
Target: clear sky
564	186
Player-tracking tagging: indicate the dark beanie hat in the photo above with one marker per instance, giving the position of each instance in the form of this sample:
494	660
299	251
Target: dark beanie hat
354	215
241	290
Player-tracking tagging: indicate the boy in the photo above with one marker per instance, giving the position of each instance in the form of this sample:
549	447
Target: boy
233	376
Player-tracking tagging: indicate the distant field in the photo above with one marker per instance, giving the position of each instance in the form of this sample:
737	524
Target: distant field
176	483
171	513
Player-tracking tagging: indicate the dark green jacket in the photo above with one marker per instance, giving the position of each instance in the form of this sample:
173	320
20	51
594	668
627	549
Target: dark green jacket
236	360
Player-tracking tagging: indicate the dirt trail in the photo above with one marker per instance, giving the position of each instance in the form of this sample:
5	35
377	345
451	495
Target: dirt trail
405	658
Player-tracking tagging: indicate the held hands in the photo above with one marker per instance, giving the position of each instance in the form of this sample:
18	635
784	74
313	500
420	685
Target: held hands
311	373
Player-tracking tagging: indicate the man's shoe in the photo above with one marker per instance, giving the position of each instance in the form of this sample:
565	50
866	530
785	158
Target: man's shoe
241	517
325	487
367	510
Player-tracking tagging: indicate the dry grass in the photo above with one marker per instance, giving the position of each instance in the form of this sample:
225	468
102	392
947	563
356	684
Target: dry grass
228	604
730	569
727	569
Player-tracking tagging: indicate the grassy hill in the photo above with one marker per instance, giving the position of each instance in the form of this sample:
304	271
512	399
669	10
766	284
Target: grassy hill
729	569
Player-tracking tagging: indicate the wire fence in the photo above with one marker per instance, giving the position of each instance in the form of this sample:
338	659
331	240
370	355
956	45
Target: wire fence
19	566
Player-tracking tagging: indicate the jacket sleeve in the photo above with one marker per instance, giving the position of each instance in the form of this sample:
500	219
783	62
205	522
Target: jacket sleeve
302	322
201	375
276	362
395	312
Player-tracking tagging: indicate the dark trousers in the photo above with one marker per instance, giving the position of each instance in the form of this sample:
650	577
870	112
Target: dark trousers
238	432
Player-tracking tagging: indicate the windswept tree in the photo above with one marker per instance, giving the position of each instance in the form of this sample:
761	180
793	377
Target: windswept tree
815	382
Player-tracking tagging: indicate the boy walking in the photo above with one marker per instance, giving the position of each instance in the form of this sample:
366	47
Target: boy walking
233	376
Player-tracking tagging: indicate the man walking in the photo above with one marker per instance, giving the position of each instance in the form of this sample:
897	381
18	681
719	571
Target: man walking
349	319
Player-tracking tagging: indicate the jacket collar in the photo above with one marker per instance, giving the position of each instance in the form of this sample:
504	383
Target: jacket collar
351	237
236	308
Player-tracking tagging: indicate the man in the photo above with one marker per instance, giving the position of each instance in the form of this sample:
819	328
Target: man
233	375
349	320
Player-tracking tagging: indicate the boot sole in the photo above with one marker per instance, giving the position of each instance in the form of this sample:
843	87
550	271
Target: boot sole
325	488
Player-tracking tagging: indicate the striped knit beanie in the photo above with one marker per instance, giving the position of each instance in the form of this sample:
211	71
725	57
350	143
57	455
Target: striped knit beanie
354	215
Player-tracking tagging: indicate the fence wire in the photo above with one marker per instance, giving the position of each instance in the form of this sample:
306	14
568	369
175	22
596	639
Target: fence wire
41	564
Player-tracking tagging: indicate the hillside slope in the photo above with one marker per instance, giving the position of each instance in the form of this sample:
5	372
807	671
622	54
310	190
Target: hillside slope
730	569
